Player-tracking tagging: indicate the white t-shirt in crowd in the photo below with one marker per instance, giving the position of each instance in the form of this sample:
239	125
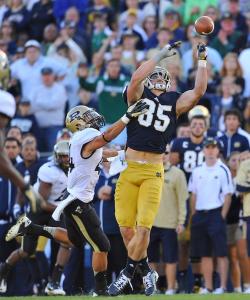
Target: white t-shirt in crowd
30	75
48	104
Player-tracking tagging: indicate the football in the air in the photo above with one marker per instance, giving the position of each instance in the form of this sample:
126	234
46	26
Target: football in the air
204	25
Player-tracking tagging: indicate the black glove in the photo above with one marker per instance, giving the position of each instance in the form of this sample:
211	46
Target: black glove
34	198
202	52
139	108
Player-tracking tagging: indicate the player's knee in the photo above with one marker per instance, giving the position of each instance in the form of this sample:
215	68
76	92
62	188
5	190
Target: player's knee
74	239
127	233
142	234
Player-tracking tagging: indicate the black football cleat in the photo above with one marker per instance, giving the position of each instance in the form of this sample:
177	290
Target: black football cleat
118	286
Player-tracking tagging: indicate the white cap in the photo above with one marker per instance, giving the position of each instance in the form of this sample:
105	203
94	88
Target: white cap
32	43
7	104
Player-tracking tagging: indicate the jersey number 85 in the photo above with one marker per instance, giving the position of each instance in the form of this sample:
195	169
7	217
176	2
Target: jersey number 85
161	121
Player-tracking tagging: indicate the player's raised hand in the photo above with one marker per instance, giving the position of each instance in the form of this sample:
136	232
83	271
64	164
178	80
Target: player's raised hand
135	110
171	48
167	51
174	45
202	51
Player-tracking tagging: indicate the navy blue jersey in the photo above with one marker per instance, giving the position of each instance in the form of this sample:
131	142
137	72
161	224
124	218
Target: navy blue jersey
191	154
236	142
152	131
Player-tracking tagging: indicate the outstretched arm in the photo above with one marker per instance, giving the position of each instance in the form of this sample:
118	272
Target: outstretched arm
98	142
190	98
135	87
113	131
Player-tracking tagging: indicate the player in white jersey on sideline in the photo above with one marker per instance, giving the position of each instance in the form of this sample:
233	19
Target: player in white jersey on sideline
52	183
82	222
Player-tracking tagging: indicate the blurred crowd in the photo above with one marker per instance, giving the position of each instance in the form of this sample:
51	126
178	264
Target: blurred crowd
68	52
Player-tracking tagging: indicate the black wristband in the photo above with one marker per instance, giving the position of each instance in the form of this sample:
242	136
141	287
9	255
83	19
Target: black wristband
107	141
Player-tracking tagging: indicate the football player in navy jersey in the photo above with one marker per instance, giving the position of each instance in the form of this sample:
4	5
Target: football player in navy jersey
187	152
138	190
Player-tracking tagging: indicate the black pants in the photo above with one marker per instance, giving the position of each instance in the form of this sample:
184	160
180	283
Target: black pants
83	225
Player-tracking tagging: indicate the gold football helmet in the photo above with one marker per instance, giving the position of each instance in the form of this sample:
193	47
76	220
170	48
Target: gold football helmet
4	71
61	148
81	117
199	111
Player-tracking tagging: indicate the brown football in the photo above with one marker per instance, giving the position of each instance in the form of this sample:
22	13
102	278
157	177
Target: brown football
204	25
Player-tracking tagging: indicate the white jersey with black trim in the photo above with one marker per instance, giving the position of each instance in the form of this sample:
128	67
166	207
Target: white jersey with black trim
51	173
84	172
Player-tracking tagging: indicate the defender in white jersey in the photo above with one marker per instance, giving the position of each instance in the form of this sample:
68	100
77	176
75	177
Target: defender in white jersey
82	222
83	172
51	184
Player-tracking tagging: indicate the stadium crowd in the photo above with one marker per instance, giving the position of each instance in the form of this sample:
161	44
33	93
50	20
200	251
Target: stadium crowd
68	52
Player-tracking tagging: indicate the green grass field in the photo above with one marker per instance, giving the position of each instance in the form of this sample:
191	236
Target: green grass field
140	297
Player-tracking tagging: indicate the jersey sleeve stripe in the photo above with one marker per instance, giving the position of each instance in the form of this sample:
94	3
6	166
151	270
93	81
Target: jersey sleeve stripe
228	180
